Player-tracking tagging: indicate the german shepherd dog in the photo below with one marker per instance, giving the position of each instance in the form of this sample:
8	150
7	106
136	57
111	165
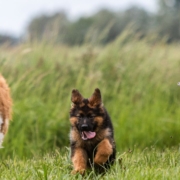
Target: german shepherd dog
91	136
5	108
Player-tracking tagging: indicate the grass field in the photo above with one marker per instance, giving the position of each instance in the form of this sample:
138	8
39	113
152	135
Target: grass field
138	82
133	165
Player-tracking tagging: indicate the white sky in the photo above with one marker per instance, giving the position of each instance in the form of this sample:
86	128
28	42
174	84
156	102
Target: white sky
16	14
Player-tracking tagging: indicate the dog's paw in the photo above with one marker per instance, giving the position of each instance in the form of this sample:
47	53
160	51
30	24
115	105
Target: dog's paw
101	159
80	171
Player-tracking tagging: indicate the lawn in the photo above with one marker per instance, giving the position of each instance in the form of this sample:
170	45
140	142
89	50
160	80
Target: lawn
132	164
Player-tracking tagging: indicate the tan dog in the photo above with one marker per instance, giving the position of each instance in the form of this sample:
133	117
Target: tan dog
5	108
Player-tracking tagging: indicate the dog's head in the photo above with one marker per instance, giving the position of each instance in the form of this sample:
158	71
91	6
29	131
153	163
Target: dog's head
86	115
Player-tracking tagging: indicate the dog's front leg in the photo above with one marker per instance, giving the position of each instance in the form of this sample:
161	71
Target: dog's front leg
79	159
104	150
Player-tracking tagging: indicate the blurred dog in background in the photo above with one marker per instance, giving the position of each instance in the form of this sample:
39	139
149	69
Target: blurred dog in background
5	108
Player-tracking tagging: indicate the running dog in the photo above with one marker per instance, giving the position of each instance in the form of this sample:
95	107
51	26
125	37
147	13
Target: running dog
91	135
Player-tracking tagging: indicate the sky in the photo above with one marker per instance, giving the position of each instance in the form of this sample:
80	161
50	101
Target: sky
16	14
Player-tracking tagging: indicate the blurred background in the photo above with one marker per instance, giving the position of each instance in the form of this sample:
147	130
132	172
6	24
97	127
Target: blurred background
128	49
78	22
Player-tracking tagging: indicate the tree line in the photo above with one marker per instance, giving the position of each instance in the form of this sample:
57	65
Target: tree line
105	25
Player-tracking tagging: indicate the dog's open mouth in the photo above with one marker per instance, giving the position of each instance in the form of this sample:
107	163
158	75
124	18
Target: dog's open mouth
88	135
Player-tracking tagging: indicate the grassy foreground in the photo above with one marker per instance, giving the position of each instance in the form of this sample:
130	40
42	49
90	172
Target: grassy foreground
146	165
138	81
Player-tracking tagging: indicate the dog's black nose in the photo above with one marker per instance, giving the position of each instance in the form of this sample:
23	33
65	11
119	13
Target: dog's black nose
84	127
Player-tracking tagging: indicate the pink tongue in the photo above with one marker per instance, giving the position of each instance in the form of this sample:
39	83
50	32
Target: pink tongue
88	134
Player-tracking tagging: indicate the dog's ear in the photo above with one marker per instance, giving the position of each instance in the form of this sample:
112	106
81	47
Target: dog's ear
76	97
95	99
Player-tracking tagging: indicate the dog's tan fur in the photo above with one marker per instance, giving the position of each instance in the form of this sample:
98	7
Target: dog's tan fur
5	108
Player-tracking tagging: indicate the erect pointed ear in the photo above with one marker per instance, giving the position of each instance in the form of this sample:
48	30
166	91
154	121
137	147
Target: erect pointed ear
95	99
76	97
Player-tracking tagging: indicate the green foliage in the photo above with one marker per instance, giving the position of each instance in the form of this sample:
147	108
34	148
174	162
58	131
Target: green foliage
48	28
8	39
100	28
104	26
76	31
166	6
167	20
138	81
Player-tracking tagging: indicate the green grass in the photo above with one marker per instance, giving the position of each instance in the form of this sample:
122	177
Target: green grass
133	165
138	82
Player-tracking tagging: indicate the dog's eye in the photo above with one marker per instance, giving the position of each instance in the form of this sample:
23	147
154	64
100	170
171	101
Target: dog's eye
80	116
91	116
